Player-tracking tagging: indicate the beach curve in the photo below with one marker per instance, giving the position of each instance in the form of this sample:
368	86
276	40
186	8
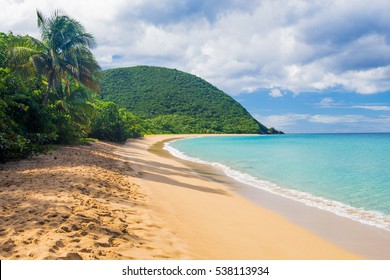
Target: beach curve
108	201
216	223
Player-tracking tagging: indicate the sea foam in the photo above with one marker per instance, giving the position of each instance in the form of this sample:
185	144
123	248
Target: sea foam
371	218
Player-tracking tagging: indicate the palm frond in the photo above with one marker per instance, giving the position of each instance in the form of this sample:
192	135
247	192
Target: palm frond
41	20
63	55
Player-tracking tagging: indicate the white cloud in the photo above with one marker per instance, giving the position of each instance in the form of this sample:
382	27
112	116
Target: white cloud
239	46
292	122
372	107
275	93
335	119
282	121
326	102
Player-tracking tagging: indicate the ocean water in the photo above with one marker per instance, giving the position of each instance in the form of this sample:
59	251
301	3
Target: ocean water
347	174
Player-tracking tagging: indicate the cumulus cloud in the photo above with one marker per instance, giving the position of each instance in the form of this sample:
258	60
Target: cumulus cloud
240	46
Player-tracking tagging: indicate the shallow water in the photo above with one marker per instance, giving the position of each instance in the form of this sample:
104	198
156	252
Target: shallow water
347	174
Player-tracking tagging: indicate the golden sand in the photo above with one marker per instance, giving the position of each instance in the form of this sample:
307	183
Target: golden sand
108	201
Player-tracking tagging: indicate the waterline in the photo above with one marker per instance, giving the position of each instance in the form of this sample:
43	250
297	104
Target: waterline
369	217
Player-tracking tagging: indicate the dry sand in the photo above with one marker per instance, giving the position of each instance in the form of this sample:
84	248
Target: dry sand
78	203
108	201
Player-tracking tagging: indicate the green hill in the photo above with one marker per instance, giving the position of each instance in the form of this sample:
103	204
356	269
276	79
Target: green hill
173	101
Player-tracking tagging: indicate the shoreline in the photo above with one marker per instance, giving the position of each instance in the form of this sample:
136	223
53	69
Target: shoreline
110	201
365	240
217	223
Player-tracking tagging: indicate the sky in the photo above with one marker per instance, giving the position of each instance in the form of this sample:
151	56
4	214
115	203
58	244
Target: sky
300	66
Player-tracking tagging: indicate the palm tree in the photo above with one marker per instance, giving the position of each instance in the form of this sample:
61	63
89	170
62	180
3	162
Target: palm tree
62	54
78	106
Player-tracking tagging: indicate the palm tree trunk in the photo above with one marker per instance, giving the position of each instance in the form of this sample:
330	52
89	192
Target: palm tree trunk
49	86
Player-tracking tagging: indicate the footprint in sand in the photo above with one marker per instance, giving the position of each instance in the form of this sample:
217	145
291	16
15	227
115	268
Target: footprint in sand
28	241
101	253
71	256
75	227
65	217
8	246
65	229
123	229
59	244
3	231
85	250
102	244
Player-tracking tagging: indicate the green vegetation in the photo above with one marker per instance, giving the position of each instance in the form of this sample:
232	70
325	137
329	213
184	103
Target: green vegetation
22	126
64	53
48	91
114	124
172	101
49	94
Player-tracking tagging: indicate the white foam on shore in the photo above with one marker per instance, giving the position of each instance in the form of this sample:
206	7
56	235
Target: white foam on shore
371	218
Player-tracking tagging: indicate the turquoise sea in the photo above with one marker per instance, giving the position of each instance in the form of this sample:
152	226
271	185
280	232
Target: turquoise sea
347	174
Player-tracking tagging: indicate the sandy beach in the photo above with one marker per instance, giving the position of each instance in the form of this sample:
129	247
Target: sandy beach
108	201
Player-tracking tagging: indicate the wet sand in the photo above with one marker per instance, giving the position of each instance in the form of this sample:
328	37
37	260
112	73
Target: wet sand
214	222
365	240
108	201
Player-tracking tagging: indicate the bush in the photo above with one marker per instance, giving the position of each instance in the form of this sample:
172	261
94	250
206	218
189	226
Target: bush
114	124
12	143
133	125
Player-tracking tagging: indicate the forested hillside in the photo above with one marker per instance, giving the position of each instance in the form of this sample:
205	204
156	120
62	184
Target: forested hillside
176	102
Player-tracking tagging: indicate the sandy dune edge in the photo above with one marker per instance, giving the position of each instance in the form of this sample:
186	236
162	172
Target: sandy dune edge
109	201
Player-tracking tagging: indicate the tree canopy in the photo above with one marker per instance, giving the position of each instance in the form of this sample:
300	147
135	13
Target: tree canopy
173	101
63	54
45	87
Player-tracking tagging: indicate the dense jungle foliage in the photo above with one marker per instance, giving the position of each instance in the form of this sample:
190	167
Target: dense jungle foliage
176	102
48	91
